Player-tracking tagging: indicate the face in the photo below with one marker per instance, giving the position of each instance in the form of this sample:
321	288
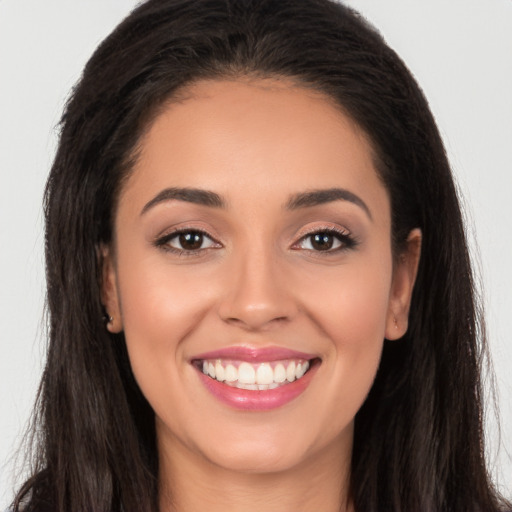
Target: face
253	276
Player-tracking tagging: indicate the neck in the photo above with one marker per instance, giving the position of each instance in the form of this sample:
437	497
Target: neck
189	483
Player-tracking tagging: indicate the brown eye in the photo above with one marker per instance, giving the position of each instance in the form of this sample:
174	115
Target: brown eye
190	241
322	241
328	241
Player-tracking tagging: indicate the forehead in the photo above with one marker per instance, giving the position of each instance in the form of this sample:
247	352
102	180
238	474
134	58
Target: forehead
255	135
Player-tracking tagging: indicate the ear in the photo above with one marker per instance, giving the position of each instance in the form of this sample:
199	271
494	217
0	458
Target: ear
109	291
404	276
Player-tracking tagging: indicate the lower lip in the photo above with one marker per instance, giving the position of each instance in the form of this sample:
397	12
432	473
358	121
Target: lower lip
257	400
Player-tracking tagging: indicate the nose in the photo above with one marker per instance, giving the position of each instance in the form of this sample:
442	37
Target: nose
258	294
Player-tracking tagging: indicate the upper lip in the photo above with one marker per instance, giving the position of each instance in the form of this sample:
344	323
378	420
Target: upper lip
252	354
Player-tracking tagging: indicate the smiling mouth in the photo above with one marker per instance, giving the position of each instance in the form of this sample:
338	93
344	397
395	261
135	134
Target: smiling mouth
260	376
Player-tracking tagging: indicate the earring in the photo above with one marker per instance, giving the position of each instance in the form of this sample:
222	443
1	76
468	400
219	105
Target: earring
395	321
107	318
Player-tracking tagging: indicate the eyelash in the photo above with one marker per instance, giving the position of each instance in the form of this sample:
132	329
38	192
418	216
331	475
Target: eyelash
346	240
163	242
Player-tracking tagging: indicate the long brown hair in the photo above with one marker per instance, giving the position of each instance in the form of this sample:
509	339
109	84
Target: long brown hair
418	442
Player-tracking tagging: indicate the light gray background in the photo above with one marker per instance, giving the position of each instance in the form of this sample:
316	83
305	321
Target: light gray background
459	50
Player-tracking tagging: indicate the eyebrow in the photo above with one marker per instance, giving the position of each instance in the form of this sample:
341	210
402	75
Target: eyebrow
189	195
323	196
297	201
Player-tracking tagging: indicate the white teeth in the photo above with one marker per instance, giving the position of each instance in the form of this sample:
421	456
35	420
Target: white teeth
290	372
231	373
264	374
255	376
279	373
220	373
246	374
301	369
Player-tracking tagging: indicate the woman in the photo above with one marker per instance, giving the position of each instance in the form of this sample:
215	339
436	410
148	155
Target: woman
253	303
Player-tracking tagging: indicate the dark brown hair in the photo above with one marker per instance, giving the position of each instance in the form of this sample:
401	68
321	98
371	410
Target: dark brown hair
418	437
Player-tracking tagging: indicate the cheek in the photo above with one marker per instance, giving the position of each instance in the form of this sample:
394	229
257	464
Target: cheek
351	312
161	301
352	304
160	306
355	322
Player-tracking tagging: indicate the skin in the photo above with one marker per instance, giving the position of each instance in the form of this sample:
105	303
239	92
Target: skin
259	283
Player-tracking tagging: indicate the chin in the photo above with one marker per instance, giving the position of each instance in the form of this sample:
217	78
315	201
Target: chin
256	458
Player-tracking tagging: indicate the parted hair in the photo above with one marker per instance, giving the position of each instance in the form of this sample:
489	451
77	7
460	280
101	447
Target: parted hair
418	442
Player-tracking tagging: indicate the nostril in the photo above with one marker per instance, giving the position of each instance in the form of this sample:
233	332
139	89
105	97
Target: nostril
253	324
256	303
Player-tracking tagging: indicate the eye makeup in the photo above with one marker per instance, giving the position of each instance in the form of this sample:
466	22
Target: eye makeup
187	242
326	239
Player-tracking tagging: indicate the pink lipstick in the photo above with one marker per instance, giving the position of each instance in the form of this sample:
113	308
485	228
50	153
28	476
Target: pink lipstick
256	379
